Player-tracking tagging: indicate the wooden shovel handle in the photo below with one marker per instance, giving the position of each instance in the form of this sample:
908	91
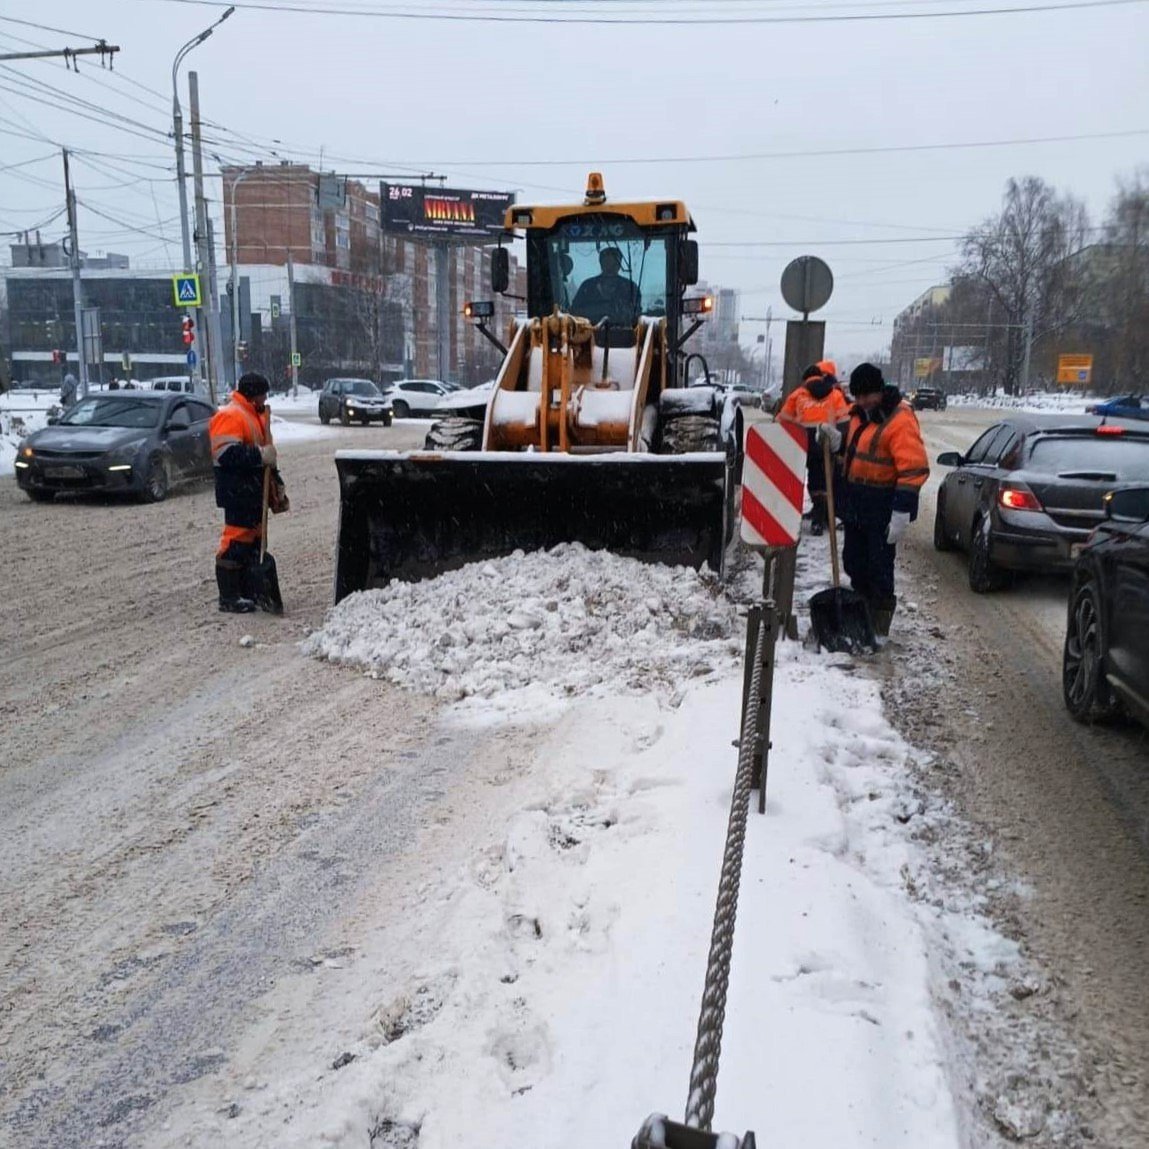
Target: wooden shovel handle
266	502
832	526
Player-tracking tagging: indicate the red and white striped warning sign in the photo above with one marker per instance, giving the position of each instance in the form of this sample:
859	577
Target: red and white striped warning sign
773	484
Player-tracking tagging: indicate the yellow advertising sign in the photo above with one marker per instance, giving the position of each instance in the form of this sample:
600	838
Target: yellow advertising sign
924	368
1075	369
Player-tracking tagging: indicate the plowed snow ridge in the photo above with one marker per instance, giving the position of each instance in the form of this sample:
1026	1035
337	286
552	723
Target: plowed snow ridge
570	620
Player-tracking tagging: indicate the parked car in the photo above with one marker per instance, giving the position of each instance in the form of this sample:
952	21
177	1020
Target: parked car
138	442
419	397
353	401
928	399
1028	492
1105	664
1123	407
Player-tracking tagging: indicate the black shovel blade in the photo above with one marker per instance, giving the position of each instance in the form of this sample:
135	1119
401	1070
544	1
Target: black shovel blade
840	621
263	579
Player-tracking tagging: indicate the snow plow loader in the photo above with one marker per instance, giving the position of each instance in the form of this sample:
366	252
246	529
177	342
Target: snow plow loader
589	433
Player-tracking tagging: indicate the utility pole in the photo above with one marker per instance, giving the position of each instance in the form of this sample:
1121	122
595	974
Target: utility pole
77	285
291	319
204	362
443	307
769	348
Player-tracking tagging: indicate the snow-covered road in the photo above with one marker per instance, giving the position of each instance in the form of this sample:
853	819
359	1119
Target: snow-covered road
252	898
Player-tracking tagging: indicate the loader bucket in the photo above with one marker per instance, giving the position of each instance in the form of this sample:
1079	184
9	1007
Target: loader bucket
414	515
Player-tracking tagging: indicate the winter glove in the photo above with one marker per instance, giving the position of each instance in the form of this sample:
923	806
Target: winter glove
268	454
899	520
828	433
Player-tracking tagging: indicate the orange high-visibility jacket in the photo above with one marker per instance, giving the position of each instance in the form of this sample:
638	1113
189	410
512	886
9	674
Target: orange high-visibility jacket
802	407
237	432
889	455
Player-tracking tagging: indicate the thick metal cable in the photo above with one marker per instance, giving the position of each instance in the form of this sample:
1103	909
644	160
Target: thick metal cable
708	1045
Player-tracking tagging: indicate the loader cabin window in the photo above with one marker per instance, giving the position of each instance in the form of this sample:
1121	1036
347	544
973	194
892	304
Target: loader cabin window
603	270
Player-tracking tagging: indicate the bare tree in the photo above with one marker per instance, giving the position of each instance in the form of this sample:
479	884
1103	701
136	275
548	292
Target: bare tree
1024	259
1124	291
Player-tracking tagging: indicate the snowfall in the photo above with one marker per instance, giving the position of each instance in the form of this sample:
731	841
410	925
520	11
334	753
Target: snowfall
547	992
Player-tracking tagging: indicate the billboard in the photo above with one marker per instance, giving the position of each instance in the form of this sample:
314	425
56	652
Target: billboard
1075	369
420	212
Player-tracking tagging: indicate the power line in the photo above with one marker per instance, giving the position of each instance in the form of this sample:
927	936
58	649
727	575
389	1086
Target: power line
578	18
49	28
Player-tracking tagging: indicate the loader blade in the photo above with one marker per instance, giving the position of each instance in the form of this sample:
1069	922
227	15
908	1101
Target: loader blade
414	515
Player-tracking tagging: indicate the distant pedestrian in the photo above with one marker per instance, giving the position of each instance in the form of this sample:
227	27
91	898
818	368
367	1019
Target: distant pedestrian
245	458
68	390
884	468
816	400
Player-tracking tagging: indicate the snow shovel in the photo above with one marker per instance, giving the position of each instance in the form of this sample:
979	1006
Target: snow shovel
839	618
263	576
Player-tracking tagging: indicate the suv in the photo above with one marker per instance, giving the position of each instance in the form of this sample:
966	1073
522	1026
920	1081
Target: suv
1105	664
418	397
353	401
928	399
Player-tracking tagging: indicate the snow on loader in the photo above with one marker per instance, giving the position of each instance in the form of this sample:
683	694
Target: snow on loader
589	434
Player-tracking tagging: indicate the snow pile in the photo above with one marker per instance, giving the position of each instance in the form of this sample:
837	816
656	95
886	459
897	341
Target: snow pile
1070	402
570	621
20	415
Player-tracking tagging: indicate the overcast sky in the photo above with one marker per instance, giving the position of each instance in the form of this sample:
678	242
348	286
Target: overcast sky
484	102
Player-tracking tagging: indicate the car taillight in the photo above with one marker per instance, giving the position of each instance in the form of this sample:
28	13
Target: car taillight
1017	499
1105	429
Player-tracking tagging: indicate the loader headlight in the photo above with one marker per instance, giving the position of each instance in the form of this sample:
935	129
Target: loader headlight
700	305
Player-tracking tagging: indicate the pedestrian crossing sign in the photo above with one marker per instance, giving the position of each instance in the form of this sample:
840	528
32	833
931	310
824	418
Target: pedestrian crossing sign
185	289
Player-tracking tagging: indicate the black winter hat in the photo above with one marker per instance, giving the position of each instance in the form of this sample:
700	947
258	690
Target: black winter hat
811	372
252	384
866	379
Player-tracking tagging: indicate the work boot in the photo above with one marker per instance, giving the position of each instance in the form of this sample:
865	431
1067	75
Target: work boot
232	600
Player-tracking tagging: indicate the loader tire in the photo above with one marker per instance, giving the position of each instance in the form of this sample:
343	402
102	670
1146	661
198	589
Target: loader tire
691	433
455	435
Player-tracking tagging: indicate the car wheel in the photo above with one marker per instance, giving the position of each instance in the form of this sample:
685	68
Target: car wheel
344	418
984	576
387	420
942	541
38	496
324	418
1087	694
157	482
400	409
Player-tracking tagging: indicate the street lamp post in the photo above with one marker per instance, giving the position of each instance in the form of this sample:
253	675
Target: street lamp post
234	260
178	133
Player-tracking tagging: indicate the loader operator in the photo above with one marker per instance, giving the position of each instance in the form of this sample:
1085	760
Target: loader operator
609	296
241	450
816	400
884	468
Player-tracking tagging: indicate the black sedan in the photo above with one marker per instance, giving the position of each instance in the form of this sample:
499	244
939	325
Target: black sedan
138	442
353	401
1105	666
1026	495
928	399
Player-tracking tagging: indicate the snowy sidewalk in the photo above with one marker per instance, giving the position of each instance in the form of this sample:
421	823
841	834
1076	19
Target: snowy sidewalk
547	991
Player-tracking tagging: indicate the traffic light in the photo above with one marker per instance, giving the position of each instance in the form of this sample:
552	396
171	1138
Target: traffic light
57	358
241	351
189	331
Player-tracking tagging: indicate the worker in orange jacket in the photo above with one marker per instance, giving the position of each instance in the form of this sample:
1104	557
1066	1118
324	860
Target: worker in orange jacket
884	467
241	450
816	400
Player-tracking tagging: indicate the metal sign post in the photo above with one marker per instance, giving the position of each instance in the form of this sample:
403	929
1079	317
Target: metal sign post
807	284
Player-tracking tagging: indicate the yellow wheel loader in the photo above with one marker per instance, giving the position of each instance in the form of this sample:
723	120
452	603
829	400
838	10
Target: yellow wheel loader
590	433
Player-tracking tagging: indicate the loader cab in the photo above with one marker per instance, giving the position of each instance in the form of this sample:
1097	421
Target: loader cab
613	262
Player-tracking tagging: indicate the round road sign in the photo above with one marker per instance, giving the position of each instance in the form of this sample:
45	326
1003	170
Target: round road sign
807	283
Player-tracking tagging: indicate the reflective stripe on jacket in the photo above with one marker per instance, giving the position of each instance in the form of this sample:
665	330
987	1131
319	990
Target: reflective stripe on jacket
888	455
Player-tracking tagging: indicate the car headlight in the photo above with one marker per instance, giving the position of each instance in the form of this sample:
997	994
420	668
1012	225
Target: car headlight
121	458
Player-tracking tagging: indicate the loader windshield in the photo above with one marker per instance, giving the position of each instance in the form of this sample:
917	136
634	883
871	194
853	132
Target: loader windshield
602	268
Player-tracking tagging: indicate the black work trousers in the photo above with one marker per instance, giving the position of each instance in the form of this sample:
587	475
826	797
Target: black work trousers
869	561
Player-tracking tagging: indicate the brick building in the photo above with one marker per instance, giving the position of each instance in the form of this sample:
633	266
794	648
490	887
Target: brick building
330	226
